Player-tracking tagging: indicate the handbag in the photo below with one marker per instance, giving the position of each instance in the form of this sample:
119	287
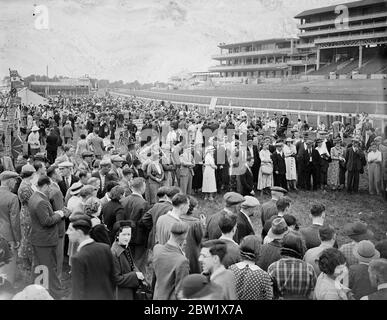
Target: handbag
144	291
267	170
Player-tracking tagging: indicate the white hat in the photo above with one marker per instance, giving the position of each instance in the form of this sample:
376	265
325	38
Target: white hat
35	128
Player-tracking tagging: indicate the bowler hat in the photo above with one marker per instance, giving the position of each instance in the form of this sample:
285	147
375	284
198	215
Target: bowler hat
358	231
365	251
278	229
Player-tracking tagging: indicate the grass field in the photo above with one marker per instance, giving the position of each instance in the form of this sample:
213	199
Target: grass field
341	208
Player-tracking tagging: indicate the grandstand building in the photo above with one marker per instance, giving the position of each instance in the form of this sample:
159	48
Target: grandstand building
75	87
357	45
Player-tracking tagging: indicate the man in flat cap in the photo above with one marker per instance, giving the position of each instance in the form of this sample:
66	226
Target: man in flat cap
269	208
9	220
116	169
171	266
244	225
233	201
86	163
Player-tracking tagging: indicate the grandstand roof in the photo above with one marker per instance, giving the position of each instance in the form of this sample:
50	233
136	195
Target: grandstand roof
350	5
274	40
69	83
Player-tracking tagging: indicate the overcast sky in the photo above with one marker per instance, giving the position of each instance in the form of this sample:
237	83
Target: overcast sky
147	40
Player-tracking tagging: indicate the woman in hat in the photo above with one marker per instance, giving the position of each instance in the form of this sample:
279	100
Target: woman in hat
374	160
24	193
209	180
265	174
324	163
34	141
290	152
332	282
338	160
252	283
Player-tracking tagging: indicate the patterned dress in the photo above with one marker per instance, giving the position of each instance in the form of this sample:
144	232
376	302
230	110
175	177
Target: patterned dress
25	250
252	283
334	166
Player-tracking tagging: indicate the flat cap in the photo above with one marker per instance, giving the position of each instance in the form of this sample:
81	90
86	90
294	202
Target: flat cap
5	175
105	162
116	158
278	189
28	168
87	154
65	164
250	202
233	198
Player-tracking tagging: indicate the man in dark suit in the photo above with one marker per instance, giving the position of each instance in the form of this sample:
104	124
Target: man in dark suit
135	207
283	125
44	233
300	165
311	164
244	224
247	178
311	233
355	160
68	179
253	151
279	167
102	175
233	201
92	269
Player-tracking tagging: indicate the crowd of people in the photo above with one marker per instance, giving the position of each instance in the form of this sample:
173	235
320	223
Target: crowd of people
109	186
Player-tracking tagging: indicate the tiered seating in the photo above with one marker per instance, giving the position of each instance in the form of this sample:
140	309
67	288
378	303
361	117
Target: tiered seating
326	69
376	65
349	67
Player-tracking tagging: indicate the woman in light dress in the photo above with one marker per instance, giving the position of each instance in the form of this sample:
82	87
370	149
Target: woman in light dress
209	180
337	156
290	152
265	178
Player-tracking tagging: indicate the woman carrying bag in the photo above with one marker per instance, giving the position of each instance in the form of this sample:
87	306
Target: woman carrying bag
127	277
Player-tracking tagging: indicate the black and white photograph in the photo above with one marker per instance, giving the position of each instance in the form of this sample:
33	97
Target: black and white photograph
190	150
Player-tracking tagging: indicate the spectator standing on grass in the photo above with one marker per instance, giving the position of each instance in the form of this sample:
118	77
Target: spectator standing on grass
92	273
328	239
311	233
295	278
170	264
359	280
67	132
252	283
127	277
377	270
233	201
357	231
329	286
211	259
269	208
9	221
374	160
355	160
